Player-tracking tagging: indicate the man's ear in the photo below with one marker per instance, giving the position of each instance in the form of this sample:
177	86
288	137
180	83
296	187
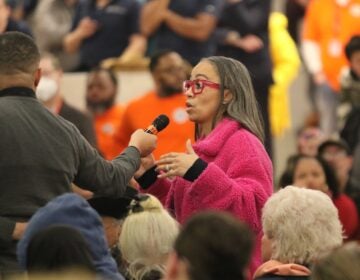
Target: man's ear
228	96
172	270
37	77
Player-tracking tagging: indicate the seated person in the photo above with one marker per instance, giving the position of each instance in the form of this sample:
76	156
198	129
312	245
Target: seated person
74	211
340	264
211	245
293	241
9	24
147	237
314	173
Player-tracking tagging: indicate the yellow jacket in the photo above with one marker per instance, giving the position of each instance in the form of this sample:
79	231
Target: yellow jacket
286	64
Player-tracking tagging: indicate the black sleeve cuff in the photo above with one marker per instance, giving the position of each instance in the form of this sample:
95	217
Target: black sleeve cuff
195	170
148	178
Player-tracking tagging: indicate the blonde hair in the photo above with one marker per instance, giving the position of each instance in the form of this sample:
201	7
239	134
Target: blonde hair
147	236
302	224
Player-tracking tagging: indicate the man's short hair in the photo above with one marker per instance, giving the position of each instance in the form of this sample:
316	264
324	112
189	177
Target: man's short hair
352	46
154	60
18	54
337	143
109	72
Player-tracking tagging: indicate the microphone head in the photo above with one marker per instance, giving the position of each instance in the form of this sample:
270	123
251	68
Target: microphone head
161	122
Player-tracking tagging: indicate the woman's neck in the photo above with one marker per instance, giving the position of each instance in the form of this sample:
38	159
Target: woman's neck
205	129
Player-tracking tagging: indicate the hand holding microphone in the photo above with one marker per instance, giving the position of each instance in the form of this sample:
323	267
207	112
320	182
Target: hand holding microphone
145	140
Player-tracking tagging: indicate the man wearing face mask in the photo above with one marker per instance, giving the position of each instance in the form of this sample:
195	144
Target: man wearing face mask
49	93
169	71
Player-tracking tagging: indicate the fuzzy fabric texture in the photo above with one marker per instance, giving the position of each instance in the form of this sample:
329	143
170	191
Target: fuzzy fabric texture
238	179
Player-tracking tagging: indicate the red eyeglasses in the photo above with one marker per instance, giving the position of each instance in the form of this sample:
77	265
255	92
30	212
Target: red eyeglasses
197	86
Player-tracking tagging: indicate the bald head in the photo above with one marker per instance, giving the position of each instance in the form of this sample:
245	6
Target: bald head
18	54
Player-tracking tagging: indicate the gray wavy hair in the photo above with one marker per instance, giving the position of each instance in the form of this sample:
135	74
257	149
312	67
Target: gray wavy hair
302	224
243	107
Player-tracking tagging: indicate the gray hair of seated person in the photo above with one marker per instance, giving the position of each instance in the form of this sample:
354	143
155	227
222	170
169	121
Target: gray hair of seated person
342	263
147	237
18	54
243	107
302	224
215	245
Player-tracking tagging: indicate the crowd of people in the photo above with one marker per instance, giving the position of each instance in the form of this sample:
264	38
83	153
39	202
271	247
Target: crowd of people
92	195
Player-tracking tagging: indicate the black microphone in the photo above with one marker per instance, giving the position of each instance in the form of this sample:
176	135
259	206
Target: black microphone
158	124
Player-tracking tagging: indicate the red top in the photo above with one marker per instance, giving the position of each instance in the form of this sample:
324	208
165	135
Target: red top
348	215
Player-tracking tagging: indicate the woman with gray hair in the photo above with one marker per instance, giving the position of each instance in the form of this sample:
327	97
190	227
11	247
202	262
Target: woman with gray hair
299	226
227	169
147	237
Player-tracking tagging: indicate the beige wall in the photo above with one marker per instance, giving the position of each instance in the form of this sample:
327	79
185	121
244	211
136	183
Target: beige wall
131	84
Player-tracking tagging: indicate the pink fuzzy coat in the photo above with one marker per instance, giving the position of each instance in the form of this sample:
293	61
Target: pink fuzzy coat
238	179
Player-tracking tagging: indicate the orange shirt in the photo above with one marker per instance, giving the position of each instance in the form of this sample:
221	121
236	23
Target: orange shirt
331	26
141	112
106	125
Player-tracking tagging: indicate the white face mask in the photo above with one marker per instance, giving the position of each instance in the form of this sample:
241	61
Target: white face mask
46	89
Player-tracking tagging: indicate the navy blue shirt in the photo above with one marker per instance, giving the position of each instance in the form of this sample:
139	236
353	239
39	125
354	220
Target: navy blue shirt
19	26
191	50
117	22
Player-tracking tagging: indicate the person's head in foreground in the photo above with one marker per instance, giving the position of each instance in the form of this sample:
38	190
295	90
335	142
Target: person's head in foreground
299	226
147	237
211	246
58	248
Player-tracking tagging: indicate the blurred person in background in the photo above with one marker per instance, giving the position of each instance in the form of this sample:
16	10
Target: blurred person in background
7	23
243	34
168	71
323	42
50	23
101	92
309	138
49	93
314	173
184	26
350	93
103	29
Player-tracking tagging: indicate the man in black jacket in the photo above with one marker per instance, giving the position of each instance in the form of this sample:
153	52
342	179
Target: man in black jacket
42	154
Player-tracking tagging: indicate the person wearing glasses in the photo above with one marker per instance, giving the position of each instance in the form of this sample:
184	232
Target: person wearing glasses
228	168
